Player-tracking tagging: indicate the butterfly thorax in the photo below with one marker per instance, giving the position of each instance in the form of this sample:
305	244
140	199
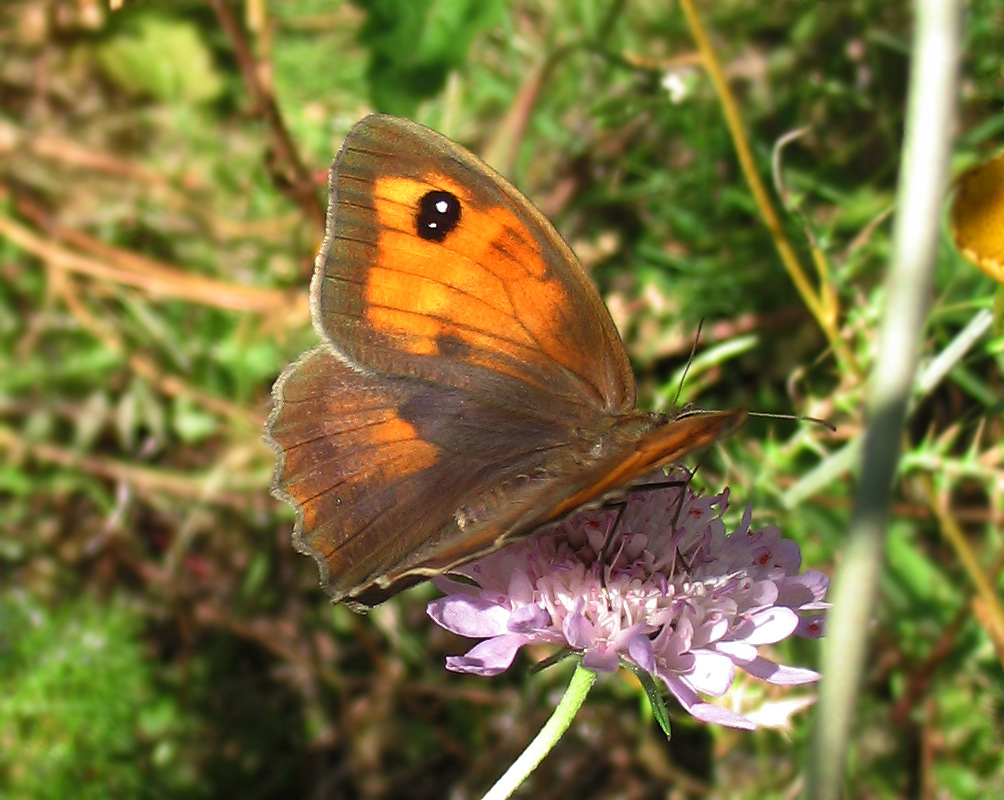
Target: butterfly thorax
620	432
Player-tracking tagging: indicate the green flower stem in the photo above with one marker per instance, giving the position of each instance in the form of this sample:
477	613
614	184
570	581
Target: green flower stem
542	743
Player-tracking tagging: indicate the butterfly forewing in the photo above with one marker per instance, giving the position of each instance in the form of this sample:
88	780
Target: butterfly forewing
498	307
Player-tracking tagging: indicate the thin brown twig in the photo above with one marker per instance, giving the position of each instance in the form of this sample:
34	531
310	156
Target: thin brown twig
66	152
155	278
184	485
663	64
767	211
828	297
63	286
70	153
288	171
983	584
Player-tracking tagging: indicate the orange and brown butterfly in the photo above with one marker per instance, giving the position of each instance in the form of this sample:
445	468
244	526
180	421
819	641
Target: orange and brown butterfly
470	385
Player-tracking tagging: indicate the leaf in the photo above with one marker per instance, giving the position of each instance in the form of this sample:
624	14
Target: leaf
191	423
654	698
163	58
415	44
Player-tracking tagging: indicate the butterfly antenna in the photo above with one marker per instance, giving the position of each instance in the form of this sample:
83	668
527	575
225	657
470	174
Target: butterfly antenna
690	360
794	418
765	415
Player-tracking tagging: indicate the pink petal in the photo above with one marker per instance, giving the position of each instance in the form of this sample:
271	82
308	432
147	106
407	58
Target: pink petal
805	590
705	712
640	650
788	556
763	593
579	631
520	588
473	617
712	673
778	713
812	627
490	657
528	618
737	651
713	628
778	674
772	625
601	659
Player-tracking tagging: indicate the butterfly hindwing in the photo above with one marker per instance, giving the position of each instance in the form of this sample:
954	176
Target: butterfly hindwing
379	469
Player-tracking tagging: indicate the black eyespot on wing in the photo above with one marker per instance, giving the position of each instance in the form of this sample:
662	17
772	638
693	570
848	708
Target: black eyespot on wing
438	214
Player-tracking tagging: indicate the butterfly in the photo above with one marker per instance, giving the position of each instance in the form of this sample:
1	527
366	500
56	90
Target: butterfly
469	386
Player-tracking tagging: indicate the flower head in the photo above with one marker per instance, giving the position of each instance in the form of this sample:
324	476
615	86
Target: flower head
657	583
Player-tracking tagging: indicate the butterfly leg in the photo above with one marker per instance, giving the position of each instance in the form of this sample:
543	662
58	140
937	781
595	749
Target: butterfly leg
608	554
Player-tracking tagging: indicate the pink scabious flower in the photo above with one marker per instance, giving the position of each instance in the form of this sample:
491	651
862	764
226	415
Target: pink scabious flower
686	602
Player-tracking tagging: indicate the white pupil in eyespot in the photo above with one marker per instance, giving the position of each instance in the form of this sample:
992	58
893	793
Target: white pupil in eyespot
442	206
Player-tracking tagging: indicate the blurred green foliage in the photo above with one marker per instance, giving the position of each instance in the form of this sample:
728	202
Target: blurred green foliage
158	636
82	715
163	59
413	47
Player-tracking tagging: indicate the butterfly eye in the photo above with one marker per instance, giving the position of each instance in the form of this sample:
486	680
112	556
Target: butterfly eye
438	214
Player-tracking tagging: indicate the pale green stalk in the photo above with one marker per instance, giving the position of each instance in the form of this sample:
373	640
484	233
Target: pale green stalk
548	737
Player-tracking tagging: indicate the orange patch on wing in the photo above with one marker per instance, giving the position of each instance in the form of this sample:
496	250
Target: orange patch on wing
634	466
436	297
342	433
413	333
395	441
485	286
381	453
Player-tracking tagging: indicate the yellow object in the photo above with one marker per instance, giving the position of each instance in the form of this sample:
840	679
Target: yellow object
978	216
